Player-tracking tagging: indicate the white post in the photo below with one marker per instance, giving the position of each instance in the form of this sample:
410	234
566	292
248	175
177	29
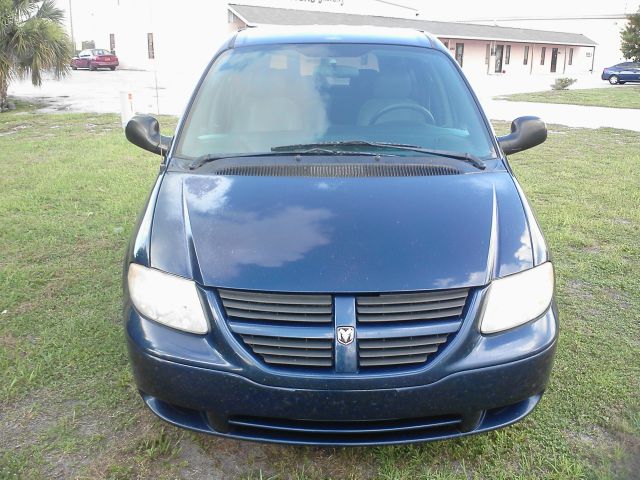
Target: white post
127	110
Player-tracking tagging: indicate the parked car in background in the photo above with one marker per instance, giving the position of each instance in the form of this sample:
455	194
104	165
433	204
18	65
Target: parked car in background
622	73
94	59
336	251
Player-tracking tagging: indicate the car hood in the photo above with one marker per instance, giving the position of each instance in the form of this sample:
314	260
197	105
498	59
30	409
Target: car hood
342	235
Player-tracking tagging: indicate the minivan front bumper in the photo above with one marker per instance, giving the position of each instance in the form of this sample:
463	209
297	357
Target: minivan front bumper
224	402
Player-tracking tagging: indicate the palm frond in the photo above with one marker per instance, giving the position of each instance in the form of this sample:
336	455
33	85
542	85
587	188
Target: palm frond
40	45
49	11
24	9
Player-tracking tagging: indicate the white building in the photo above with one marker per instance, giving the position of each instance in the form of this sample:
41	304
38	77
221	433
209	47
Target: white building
159	36
604	29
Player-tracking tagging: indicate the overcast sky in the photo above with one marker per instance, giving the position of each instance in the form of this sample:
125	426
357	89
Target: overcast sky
429	9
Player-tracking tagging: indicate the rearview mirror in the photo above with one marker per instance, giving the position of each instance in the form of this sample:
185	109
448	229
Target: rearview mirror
144	131
526	132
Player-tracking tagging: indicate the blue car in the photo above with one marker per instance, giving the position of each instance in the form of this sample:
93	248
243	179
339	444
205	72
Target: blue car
622	73
336	251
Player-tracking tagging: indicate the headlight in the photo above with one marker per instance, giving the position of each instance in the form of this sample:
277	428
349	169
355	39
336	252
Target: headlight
517	299
167	299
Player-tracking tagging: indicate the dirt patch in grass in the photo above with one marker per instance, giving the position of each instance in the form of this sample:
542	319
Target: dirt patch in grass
8	341
576	288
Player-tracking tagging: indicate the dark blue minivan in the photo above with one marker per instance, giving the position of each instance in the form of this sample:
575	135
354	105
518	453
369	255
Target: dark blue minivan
336	251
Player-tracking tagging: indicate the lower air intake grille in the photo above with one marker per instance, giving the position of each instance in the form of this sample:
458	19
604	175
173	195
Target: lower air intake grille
340	170
346	432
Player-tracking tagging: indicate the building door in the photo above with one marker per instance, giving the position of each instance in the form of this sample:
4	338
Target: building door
554	60
499	54
459	53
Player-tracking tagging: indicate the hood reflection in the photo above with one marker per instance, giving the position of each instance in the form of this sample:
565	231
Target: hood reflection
268	240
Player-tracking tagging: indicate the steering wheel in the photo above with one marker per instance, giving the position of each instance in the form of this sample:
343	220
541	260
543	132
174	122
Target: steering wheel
415	108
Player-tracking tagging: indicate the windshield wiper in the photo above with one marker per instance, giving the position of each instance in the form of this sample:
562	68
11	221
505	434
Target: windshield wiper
311	149
464	156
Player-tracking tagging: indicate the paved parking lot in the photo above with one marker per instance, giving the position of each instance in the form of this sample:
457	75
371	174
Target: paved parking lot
99	91
167	92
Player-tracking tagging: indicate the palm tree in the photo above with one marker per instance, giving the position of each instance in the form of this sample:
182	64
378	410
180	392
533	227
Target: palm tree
32	41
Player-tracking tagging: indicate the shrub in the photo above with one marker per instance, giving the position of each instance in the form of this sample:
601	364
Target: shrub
563	83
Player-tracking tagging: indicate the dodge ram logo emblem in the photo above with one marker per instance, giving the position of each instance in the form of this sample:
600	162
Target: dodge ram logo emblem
345	335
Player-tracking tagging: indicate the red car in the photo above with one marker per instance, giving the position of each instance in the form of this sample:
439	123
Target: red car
94	59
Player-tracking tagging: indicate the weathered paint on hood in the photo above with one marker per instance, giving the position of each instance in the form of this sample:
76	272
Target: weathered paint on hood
340	234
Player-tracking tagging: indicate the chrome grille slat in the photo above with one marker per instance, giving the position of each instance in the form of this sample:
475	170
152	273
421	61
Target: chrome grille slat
412	307
277	307
308	343
275	298
390	299
284	317
311	331
402	342
298	361
411	316
392	361
397	352
292	352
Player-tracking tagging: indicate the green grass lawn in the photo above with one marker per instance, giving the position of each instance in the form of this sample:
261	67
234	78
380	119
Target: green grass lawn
71	188
624	96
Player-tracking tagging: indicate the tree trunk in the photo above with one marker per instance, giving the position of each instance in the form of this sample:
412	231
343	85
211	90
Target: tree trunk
4	87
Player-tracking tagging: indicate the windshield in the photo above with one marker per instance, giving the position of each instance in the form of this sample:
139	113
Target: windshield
254	99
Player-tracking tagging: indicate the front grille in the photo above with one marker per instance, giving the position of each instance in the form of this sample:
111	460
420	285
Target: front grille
298	330
283	329
309	352
277	307
416	326
398	351
411	306
339	170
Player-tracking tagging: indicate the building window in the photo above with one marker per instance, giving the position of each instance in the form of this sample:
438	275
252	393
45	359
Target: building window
507	55
487	54
459	53
150	49
526	55
446	43
112	42
571	56
542	54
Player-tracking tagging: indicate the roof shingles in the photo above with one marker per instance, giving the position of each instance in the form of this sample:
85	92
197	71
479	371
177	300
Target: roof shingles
254	15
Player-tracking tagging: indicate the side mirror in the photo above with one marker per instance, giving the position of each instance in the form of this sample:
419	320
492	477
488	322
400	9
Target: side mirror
144	131
526	132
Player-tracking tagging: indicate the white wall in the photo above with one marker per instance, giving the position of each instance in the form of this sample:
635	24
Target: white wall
604	31
474	60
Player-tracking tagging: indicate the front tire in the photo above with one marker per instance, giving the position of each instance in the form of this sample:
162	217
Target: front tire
73	67
113	69
614	80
